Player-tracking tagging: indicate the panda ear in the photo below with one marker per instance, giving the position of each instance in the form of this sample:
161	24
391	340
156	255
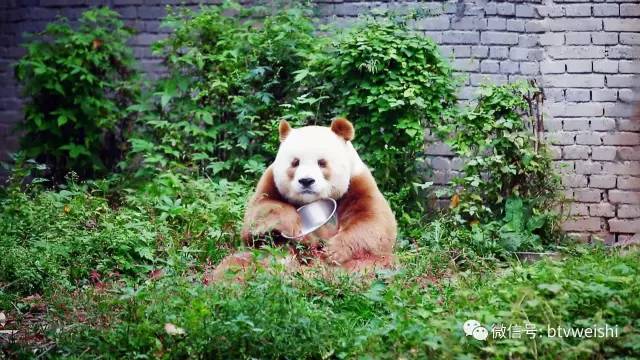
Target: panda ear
343	128
284	129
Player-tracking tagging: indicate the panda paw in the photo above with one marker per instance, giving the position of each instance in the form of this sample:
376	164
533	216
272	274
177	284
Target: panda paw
282	222
336	252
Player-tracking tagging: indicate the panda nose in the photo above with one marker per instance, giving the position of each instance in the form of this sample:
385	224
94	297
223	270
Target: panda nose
306	182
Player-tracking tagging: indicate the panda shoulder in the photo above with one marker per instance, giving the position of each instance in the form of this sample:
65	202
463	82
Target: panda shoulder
358	167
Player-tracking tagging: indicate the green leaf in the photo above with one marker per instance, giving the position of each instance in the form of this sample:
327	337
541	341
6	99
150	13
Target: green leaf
62	119
515	214
76	150
206	117
552	288
164	100
300	75
141	145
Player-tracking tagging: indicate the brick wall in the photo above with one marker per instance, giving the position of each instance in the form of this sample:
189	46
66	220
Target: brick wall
585	54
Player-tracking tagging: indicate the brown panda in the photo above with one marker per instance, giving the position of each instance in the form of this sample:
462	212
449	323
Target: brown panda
312	163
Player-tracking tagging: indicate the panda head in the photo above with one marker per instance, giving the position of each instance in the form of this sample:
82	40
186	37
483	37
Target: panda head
315	162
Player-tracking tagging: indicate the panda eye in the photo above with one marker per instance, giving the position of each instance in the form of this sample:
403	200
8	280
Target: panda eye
322	163
295	162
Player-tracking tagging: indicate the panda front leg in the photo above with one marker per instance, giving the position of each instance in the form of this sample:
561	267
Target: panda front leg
268	213
367	225
338	250
361	242
270	218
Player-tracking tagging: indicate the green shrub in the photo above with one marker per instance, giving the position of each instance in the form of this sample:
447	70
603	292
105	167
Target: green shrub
58	238
417	313
217	110
203	215
444	233
508	174
78	83
392	83
231	80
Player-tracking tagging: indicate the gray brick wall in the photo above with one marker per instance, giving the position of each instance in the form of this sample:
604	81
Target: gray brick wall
585	54
589	72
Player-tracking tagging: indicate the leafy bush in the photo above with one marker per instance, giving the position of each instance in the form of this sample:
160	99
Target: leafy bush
78	83
508	174
228	77
469	243
232	79
202	214
418	313
392	83
60	237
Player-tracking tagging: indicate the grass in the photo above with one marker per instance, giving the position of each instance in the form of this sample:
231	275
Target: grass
90	275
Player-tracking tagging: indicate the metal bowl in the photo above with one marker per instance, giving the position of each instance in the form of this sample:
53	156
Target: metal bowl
319	220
